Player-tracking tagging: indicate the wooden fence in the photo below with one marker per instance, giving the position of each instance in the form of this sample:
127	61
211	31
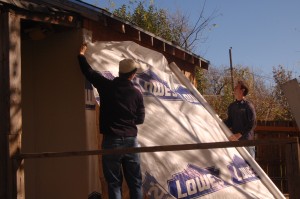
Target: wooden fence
272	159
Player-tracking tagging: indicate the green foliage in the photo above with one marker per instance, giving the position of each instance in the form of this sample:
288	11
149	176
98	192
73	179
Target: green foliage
202	81
281	75
148	18
122	13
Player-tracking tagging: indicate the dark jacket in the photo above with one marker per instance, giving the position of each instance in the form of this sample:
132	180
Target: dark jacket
121	104
242	119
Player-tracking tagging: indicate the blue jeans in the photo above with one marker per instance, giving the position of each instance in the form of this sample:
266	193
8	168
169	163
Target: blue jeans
115	166
251	150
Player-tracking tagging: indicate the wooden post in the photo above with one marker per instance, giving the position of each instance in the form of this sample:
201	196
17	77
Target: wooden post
231	72
4	110
11	175
293	169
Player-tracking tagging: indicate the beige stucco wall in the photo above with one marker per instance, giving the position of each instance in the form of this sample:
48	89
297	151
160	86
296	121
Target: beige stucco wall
54	117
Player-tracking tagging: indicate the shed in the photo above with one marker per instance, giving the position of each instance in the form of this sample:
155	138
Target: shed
40	85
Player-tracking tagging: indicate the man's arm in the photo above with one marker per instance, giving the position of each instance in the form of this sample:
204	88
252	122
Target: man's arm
228	122
94	77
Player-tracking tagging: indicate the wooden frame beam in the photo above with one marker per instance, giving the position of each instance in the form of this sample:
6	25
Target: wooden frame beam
61	19
182	147
10	107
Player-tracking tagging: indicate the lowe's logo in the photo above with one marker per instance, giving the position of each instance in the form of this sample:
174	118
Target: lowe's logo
153	189
241	172
194	182
152	85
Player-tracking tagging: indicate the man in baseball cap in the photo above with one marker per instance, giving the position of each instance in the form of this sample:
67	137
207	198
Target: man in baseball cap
121	110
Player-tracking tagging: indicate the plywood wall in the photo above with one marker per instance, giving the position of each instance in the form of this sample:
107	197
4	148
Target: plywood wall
54	116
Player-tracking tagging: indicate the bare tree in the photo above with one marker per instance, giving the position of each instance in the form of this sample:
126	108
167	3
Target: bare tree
190	34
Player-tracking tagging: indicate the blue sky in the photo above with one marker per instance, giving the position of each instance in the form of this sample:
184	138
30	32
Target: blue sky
262	33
